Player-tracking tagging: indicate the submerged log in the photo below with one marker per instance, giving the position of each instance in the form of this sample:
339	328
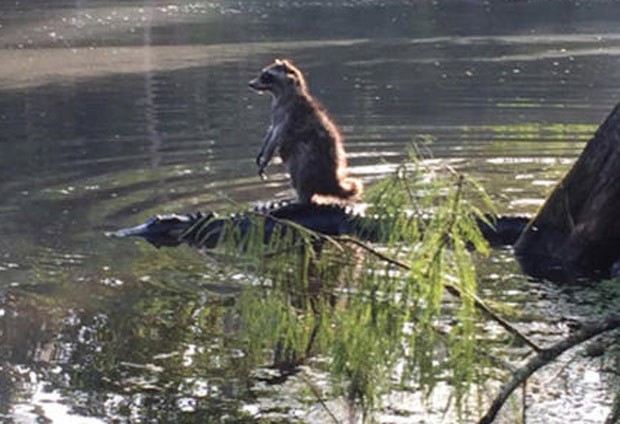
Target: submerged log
576	233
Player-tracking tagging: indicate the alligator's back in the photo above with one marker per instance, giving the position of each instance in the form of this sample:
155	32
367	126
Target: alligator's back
203	230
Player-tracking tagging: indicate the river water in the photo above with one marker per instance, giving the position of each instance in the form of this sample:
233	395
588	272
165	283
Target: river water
112	111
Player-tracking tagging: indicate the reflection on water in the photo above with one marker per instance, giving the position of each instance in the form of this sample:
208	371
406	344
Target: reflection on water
110	113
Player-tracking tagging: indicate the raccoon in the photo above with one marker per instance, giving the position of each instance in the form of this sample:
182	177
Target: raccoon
304	136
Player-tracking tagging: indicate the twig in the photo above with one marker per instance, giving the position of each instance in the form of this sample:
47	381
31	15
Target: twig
483	307
544	357
375	252
446	409
453	219
455	291
319	398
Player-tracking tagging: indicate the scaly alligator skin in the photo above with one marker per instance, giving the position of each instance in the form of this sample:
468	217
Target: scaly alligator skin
331	220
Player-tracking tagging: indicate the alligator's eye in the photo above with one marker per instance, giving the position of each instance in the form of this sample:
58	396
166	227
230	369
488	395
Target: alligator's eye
266	78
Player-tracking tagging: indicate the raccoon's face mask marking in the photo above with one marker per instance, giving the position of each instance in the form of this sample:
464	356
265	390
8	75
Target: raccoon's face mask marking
264	82
275	78
272	79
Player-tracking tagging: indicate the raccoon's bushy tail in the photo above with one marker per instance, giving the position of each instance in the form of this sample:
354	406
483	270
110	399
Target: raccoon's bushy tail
349	190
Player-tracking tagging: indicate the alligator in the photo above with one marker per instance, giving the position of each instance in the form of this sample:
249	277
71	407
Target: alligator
203	229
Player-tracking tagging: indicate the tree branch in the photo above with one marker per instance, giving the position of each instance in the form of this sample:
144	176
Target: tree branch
452	289
546	356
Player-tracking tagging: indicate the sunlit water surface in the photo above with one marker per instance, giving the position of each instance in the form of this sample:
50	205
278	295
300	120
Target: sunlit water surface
110	113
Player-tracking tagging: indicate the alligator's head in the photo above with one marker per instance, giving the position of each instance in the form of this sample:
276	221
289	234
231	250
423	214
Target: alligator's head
160	230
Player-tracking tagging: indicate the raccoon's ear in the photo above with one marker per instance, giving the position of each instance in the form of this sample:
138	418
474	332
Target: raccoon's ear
295	79
292	78
278	62
288	65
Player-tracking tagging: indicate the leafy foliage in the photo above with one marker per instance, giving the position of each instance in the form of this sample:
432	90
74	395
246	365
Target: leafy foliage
377	312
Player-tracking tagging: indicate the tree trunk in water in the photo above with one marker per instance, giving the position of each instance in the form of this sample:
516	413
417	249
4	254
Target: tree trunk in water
576	234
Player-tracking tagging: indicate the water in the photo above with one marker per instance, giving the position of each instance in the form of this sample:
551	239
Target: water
111	112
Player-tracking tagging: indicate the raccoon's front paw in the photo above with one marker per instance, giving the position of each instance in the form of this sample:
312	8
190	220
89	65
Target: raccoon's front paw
261	162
